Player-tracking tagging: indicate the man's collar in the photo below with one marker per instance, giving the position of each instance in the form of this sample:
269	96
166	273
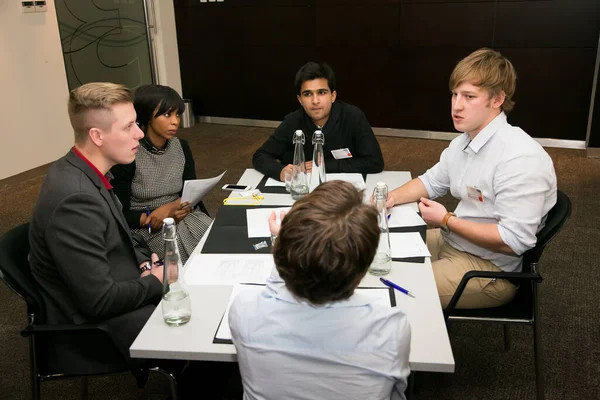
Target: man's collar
334	114
104	179
486	133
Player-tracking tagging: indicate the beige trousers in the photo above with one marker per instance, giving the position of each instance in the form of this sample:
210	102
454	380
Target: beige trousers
449	266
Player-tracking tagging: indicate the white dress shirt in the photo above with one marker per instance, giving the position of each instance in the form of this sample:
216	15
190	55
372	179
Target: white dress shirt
502	176
289	349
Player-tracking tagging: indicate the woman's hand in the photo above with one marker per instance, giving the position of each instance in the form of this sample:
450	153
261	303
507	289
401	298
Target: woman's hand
174	209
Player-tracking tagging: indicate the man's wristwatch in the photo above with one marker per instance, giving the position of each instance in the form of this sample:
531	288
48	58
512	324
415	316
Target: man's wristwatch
147	266
444	224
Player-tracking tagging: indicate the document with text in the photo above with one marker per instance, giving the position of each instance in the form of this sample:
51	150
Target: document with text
407	245
195	190
228	269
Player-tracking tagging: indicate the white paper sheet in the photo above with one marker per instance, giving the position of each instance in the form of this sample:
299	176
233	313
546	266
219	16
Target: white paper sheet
355	179
223	332
228	269
195	190
408	244
258	220
381	295
273	182
404	215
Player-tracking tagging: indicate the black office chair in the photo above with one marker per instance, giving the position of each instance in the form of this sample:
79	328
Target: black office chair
45	364
524	308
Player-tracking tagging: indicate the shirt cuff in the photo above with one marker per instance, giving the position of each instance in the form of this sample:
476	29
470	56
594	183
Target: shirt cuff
510	239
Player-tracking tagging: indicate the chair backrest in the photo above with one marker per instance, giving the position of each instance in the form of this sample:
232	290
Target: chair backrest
557	217
15	270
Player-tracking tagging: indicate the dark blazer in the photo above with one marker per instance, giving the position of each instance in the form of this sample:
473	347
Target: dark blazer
83	257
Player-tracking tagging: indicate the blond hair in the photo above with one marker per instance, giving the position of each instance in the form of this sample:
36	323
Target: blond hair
487	69
90	106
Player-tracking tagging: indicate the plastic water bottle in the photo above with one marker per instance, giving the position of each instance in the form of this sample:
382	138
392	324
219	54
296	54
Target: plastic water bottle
299	181
382	263
176	303
318	174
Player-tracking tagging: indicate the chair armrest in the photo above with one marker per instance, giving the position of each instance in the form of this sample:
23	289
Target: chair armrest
62	328
524	276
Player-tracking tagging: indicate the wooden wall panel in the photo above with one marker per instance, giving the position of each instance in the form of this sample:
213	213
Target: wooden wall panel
392	58
553	91
447	24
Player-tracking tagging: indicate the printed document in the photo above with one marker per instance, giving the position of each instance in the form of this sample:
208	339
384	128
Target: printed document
195	190
228	269
408	244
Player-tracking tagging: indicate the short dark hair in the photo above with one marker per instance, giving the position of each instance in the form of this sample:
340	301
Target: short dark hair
312	70
152	100
327	243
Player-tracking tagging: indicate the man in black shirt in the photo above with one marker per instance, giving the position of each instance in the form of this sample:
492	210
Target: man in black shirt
344	126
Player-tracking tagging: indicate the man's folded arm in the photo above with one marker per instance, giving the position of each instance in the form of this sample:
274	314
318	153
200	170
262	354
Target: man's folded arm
76	238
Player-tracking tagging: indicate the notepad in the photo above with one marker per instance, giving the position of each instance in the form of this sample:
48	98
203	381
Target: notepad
381	295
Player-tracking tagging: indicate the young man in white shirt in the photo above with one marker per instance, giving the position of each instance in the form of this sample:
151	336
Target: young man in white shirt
308	335
504	179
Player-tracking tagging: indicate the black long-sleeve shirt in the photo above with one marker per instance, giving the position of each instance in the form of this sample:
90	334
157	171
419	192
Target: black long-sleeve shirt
347	127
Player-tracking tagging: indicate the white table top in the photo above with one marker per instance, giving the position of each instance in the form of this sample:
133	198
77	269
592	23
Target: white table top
430	346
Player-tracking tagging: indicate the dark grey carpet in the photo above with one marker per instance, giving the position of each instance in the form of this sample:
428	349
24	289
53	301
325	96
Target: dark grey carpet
569	293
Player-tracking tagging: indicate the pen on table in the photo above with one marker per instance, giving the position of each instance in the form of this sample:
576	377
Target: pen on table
147	215
393	285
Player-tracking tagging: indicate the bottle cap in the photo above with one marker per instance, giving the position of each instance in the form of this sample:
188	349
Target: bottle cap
381	184
168	221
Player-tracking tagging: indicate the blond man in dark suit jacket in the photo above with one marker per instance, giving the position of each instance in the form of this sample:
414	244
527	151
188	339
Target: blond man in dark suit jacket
82	254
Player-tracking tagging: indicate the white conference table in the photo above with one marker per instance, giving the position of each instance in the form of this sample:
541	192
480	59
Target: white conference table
430	346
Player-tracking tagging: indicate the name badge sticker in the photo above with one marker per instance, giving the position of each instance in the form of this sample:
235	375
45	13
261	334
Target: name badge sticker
340	154
474	194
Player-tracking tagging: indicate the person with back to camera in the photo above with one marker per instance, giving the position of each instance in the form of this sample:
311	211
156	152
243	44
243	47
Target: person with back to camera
150	188
308	335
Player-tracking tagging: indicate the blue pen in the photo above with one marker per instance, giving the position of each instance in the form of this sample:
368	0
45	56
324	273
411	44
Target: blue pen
148	214
393	285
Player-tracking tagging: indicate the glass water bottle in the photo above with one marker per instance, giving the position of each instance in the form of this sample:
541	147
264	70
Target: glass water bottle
382	263
299	181
176	303
317	175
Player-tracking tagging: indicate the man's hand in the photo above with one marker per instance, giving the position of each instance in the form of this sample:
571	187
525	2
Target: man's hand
309	166
432	211
157	270
274	226
389	203
289	168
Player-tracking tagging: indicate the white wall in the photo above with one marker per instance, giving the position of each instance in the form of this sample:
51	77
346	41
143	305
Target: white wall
34	90
165	45
33	105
